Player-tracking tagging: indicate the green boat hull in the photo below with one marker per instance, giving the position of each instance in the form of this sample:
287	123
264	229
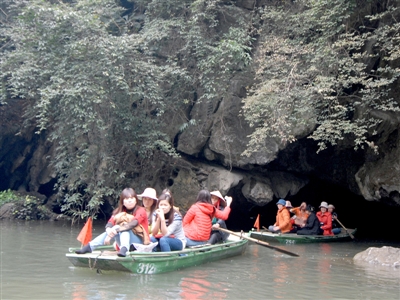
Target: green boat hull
292	238
105	258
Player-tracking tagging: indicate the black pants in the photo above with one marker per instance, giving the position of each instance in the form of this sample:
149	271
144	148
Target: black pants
215	237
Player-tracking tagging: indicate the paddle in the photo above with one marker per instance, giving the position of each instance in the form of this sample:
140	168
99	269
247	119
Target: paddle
352	236
265	244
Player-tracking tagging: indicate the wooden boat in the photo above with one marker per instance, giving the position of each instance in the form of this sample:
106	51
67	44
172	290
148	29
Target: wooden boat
293	238
105	258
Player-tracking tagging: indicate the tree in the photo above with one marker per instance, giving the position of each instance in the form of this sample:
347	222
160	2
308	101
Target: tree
98	89
93	90
325	66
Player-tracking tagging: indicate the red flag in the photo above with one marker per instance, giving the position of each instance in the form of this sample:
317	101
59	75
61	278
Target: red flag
257	223
85	236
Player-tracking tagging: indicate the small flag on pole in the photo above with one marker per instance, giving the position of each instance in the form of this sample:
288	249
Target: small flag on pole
257	223
85	236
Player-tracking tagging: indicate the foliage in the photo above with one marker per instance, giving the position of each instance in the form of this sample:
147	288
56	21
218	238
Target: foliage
25	207
82	80
200	42
323	64
98	90
30	208
8	196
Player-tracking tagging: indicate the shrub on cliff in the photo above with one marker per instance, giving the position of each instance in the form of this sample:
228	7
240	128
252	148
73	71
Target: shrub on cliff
24	207
97	87
327	65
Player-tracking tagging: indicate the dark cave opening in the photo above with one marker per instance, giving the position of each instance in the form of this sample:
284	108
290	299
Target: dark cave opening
47	189
373	220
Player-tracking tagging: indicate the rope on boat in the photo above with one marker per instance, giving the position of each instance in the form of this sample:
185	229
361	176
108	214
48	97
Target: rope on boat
95	261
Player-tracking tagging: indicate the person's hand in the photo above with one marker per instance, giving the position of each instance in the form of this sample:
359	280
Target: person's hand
112	231
107	240
160	214
215	226
228	201
276	228
334	217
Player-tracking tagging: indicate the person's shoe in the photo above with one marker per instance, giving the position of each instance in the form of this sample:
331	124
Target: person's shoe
85	249
122	252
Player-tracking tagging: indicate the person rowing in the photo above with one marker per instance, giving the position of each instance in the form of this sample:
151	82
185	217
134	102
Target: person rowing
197	222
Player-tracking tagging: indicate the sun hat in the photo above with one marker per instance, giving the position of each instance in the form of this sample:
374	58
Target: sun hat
149	193
217	194
331	206
324	204
281	202
288	204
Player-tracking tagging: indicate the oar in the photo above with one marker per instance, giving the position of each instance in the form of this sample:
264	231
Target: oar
352	236
265	244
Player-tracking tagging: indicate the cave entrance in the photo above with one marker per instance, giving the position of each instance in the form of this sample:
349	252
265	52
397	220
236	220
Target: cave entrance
374	220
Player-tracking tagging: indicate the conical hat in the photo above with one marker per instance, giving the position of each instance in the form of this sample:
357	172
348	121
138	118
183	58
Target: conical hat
149	193
217	194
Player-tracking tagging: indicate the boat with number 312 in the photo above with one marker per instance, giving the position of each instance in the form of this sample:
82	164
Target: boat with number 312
105	257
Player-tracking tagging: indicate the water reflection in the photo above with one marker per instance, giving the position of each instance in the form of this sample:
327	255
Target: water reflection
200	285
324	270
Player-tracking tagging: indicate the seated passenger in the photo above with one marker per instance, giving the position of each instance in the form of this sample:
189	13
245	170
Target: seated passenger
300	215
216	235
198	219
325	219
127	225
335	226
289	207
282	224
149	200
312	226
167	227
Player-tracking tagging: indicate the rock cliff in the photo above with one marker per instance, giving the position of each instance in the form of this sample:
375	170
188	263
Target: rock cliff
211	154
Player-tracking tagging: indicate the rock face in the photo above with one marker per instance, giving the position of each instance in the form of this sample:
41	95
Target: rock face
24	163
385	256
212	153
379	177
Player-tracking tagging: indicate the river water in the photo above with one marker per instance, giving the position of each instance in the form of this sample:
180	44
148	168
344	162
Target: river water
34	266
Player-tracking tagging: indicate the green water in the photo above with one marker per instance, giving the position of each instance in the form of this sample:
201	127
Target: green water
34	266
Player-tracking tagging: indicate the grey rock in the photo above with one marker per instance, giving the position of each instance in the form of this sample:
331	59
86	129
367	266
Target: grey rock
384	256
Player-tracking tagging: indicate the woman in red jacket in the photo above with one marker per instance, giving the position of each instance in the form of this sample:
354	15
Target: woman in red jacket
198	220
122	232
325	219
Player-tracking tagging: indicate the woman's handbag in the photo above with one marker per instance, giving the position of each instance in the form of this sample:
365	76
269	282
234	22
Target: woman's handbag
123	219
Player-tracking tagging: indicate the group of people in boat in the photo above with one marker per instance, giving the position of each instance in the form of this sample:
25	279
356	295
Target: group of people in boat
305	221
146	219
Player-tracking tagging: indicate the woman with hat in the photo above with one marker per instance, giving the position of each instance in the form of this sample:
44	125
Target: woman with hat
149	200
282	223
128	215
217	236
325	219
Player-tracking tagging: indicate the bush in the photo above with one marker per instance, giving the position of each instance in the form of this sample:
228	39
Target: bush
25	207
